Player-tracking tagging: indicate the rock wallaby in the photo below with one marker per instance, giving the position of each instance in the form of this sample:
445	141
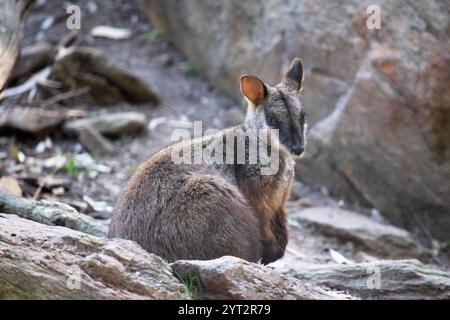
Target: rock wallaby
208	210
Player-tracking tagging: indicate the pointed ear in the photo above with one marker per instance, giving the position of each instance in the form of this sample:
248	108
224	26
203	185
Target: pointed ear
253	89
294	77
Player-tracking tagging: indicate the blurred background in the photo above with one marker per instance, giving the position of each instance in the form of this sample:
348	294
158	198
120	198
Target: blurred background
83	108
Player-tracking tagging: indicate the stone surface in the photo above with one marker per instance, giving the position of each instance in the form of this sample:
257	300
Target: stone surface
385	240
94	142
114	124
384	279
44	262
378	99
233	278
10	185
33	121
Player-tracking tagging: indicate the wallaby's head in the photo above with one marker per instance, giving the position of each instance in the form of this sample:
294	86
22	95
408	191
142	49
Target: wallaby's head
278	107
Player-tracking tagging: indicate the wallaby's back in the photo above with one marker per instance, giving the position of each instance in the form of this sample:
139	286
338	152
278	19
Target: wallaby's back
185	212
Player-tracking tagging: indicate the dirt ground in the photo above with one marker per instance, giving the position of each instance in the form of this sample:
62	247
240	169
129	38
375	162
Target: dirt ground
185	96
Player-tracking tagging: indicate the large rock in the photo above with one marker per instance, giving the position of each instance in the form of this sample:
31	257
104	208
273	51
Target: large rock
51	262
44	262
384	279
233	278
385	240
378	99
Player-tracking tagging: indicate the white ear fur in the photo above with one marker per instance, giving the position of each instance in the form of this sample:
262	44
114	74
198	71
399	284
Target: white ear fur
255	118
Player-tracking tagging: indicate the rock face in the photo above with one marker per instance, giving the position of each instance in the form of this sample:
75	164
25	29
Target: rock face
38	261
378	99
50	262
385	240
233	278
384	279
45	262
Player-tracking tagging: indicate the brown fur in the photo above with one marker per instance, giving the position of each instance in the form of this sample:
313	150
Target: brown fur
201	211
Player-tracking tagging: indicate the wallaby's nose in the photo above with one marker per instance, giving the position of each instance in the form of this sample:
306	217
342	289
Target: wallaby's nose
297	149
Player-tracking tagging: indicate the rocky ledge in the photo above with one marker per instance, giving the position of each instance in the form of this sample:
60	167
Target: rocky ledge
40	261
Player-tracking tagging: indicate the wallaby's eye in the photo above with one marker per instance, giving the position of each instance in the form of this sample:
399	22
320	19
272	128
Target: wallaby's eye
271	121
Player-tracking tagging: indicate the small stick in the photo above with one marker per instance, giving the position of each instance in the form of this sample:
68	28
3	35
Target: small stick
29	84
42	183
65	96
68	40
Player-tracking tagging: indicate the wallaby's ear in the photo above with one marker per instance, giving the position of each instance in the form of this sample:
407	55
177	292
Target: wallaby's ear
253	89
294	77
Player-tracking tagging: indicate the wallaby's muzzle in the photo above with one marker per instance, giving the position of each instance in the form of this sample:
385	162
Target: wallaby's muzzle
297	149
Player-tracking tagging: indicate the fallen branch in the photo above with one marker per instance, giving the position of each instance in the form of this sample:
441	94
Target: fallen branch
51	213
43	182
40	77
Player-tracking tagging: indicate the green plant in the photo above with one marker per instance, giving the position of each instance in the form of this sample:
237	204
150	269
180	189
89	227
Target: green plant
193	286
129	169
191	69
70	167
444	245
154	35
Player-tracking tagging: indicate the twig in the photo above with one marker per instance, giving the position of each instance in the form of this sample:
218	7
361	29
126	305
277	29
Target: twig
65	96
43	182
68	40
28	85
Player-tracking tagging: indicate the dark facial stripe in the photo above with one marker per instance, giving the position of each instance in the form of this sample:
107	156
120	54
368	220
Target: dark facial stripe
294	128
285	102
